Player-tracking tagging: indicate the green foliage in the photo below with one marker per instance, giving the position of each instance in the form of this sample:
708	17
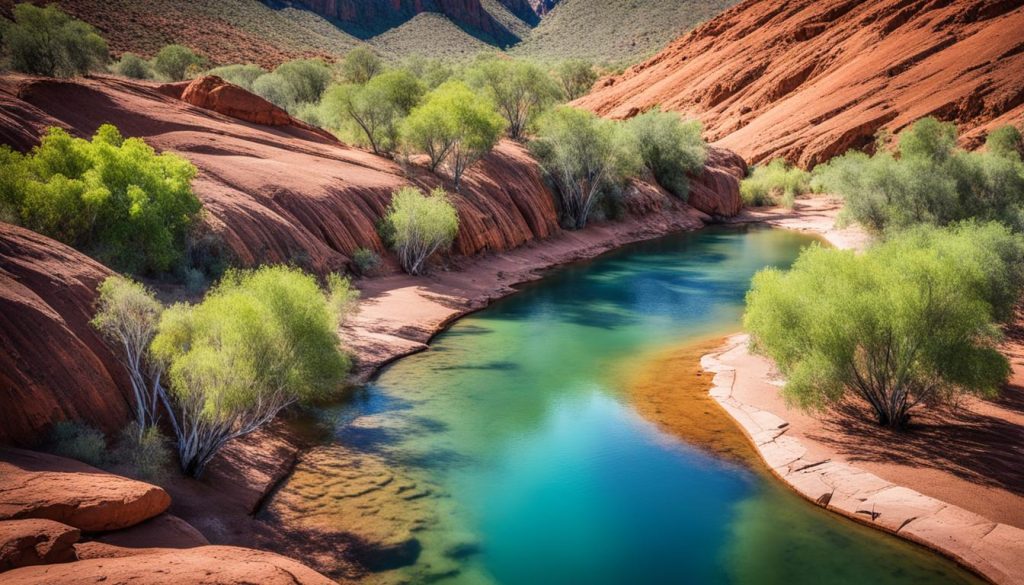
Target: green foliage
260	340
177	63
112	197
142	453
361	65
307	77
521	90
430	72
78	441
375	108
366	261
586	157
669	148
276	89
46	41
776	183
133	67
453	126
243	76
1005	142
910	321
575	77
931	181
420	226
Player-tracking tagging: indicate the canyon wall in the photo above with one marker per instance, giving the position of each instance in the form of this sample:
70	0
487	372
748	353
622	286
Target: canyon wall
809	79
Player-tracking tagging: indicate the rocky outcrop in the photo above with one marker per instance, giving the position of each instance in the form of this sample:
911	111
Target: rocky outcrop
213	93
53	364
209	565
35	485
809	79
715	190
35	542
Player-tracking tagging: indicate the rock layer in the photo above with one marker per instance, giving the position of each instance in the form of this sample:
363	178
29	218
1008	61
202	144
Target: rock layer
809	79
35	542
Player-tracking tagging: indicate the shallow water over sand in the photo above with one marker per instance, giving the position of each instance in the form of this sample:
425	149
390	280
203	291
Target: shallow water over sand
509	452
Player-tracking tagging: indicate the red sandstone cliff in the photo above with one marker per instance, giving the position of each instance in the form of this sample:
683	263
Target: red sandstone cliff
809	79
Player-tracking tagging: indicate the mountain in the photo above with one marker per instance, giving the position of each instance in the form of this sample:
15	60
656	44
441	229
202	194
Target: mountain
809	79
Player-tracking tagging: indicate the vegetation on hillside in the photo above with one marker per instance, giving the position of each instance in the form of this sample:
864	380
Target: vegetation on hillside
776	183
419	225
669	148
46	41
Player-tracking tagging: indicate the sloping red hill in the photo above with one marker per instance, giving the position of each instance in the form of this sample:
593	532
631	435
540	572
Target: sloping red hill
809	79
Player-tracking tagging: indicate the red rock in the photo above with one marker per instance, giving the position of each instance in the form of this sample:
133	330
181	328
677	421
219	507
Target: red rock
35	542
209	565
36	485
164	531
213	93
809	79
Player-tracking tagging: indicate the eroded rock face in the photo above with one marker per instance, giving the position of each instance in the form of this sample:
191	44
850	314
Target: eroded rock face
213	93
35	542
36	485
809	79
210	565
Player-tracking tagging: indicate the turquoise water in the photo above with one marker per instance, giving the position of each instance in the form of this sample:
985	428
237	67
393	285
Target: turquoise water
539	471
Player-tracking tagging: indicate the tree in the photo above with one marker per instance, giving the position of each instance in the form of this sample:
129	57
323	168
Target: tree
430	72
575	77
260	341
519	89
361	65
376	108
582	155
307	77
243	76
453	126
911	321
276	90
420	225
669	148
133	67
1005	142
46	41
776	183
176	62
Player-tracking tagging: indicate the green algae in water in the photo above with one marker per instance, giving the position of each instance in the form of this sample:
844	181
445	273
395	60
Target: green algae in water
540	470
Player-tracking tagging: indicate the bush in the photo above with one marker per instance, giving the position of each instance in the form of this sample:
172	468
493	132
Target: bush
361	65
421	226
366	261
453	126
176	63
307	77
777	183
669	148
78	441
276	90
910	321
585	157
142	454
46	41
243	76
375	109
133	67
519	89
261	340
430	72
929	182
112	197
575	77
1005	142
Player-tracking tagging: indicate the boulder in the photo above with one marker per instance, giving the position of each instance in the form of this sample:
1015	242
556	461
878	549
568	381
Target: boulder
209	565
164	531
35	542
36	485
213	93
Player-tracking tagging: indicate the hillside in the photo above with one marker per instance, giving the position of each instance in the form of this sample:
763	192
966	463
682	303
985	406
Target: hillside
613	31
809	79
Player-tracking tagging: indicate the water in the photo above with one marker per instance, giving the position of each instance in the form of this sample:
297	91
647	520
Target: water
538	470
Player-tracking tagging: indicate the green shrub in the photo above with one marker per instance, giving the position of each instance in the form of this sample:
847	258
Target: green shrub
669	148
375	109
276	90
241	75
46	41
365	261
421	226
777	183
575	77
586	157
519	89
177	63
430	72
133	67
931	181
453	126
111	197
307	77
78	441
361	65
913	320
144	455
1005	142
